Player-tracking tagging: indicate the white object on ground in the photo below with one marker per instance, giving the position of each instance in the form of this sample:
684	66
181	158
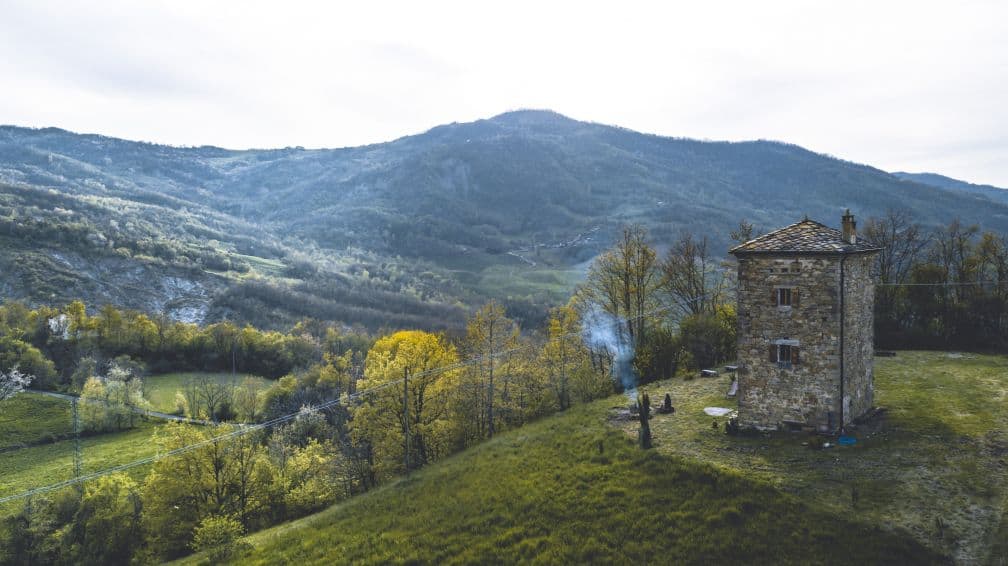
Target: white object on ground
733	390
716	411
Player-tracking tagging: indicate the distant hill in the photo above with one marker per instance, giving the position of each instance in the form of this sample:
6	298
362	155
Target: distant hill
997	194
405	233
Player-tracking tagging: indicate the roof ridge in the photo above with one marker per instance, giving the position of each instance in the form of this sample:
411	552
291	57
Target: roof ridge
804	236
774	232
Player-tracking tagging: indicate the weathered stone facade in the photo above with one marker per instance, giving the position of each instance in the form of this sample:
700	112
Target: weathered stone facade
790	354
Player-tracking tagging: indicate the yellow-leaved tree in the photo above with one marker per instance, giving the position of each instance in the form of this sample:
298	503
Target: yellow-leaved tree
486	384
565	361
382	419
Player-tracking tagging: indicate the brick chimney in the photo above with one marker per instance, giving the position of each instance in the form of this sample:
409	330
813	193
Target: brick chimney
849	228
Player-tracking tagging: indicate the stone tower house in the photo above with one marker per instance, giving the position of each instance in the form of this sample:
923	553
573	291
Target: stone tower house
806	298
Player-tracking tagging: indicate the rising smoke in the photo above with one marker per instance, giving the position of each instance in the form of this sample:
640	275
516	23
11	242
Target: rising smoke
603	331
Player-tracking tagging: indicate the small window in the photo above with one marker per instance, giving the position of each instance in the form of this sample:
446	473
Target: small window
784	355
784	297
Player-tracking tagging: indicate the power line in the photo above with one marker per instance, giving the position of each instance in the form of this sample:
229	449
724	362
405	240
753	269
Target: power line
241	430
949	284
245	429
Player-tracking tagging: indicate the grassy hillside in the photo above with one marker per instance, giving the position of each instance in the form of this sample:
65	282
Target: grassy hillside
574	489
38	466
566	490
936	458
30	418
924	484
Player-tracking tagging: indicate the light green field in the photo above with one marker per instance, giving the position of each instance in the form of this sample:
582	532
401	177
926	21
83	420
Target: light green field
37	466
928	482
160	389
263	265
30	418
523	280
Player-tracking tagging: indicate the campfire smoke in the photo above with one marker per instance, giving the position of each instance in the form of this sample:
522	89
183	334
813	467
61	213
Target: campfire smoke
603	331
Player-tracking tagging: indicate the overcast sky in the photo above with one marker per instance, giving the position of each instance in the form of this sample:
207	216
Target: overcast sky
898	85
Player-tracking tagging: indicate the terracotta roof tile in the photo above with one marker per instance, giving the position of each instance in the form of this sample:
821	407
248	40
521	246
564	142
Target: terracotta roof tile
806	236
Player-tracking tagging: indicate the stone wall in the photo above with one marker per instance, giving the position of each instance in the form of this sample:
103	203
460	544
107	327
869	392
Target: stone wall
808	392
859	335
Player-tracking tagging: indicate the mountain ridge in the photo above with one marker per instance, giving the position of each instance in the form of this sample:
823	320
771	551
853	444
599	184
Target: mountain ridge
997	194
510	207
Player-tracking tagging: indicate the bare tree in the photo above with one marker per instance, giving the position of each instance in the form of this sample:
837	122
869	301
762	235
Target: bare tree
246	398
623	279
992	265
743	233
205	395
952	250
695	281
901	242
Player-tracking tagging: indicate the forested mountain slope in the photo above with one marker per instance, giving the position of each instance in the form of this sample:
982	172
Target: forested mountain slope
997	194
403	233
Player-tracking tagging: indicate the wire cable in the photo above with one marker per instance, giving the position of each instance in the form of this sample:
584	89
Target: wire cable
246	429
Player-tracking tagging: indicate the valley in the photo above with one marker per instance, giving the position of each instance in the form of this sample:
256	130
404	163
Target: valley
410	232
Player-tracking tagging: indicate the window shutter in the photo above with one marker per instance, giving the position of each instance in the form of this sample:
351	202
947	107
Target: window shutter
774	296
794	355
773	353
794	297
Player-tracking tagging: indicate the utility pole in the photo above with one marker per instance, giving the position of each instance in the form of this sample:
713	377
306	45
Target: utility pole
406	438
490	383
78	456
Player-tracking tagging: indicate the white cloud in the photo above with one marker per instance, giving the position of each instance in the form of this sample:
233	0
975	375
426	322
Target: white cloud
899	85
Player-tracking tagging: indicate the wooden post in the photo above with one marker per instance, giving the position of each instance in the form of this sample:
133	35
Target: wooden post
644	414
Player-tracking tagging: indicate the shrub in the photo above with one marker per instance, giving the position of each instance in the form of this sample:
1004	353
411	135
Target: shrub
220	536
